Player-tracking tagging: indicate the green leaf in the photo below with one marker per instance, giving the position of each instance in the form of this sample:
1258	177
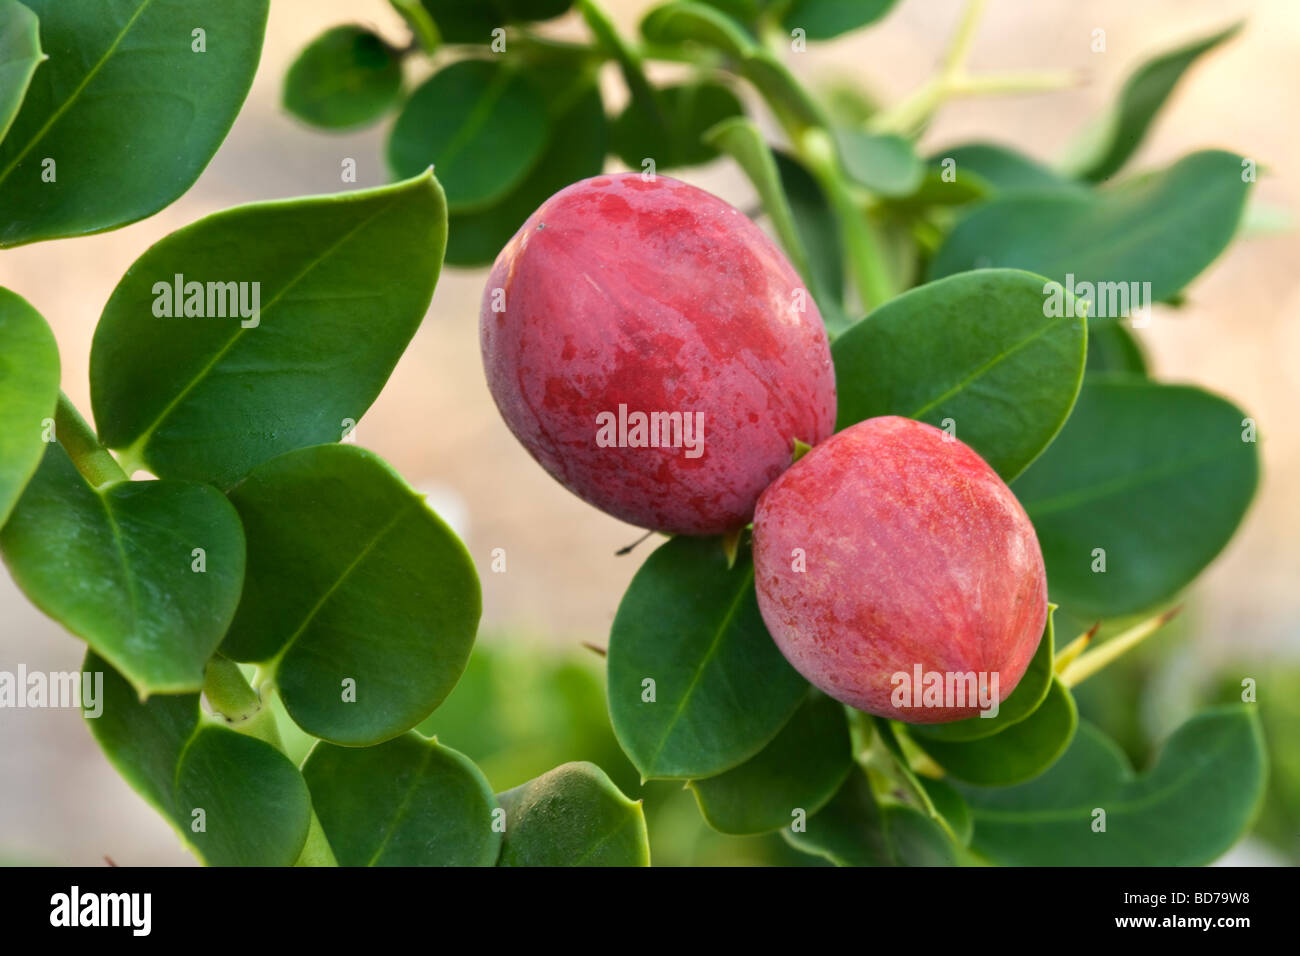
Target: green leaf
1113	348
691	111
820	234
118	566
128	112
353	584
480	123
29	390
417	17
951	806
208	398
1005	170
696	684
577	151
472	21
976	348
1158	476
800	770
20	55
825	19
1164	228
1017	753
782	92
1021	703
1188	809
255	807
683	21
348	76
855	829
573	816
408	802
1121	132
885	164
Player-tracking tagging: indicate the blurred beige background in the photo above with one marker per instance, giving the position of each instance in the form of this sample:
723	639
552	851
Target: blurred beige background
60	801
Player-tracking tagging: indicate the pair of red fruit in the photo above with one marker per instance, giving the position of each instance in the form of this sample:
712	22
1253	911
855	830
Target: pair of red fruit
658	355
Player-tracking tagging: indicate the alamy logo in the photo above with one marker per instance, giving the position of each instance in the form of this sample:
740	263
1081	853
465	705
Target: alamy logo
208	300
68	689
74	908
946	689
1102	300
626	429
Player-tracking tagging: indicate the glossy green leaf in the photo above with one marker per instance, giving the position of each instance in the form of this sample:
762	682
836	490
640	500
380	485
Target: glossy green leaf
800	770
855	829
472	21
825	19
1188	809
353	585
1004	170
577	151
1156	476
29	390
234	800
1113	348
684	21
417	17
696	684
820	233
20	55
348	76
573	816
208	397
408	802
120	567
1017	753
128	111
977	349
1021	703
1164	228
951	806
1121	132
481	124
885	164
691	111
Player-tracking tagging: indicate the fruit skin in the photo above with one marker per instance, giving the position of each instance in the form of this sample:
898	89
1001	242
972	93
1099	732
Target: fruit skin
661	297
917	553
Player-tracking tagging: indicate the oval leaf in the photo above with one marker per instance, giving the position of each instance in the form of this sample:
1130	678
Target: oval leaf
303	310
681	20
1188	809
824	19
885	164
254	806
348	76
20	55
696	684
354	585
29	391
982	349
1146	481
128	111
1004	170
691	110
121	567
1113	348
799	771
1163	229
855	829
480	123
408	802
576	151
1145	92
573	816
1021	751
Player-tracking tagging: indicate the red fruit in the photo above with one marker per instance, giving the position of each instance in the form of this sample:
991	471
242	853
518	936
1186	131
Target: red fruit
661	299
917	554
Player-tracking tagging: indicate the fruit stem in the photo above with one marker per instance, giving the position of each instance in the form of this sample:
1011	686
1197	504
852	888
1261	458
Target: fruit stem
1072	650
1088	664
229	694
96	464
